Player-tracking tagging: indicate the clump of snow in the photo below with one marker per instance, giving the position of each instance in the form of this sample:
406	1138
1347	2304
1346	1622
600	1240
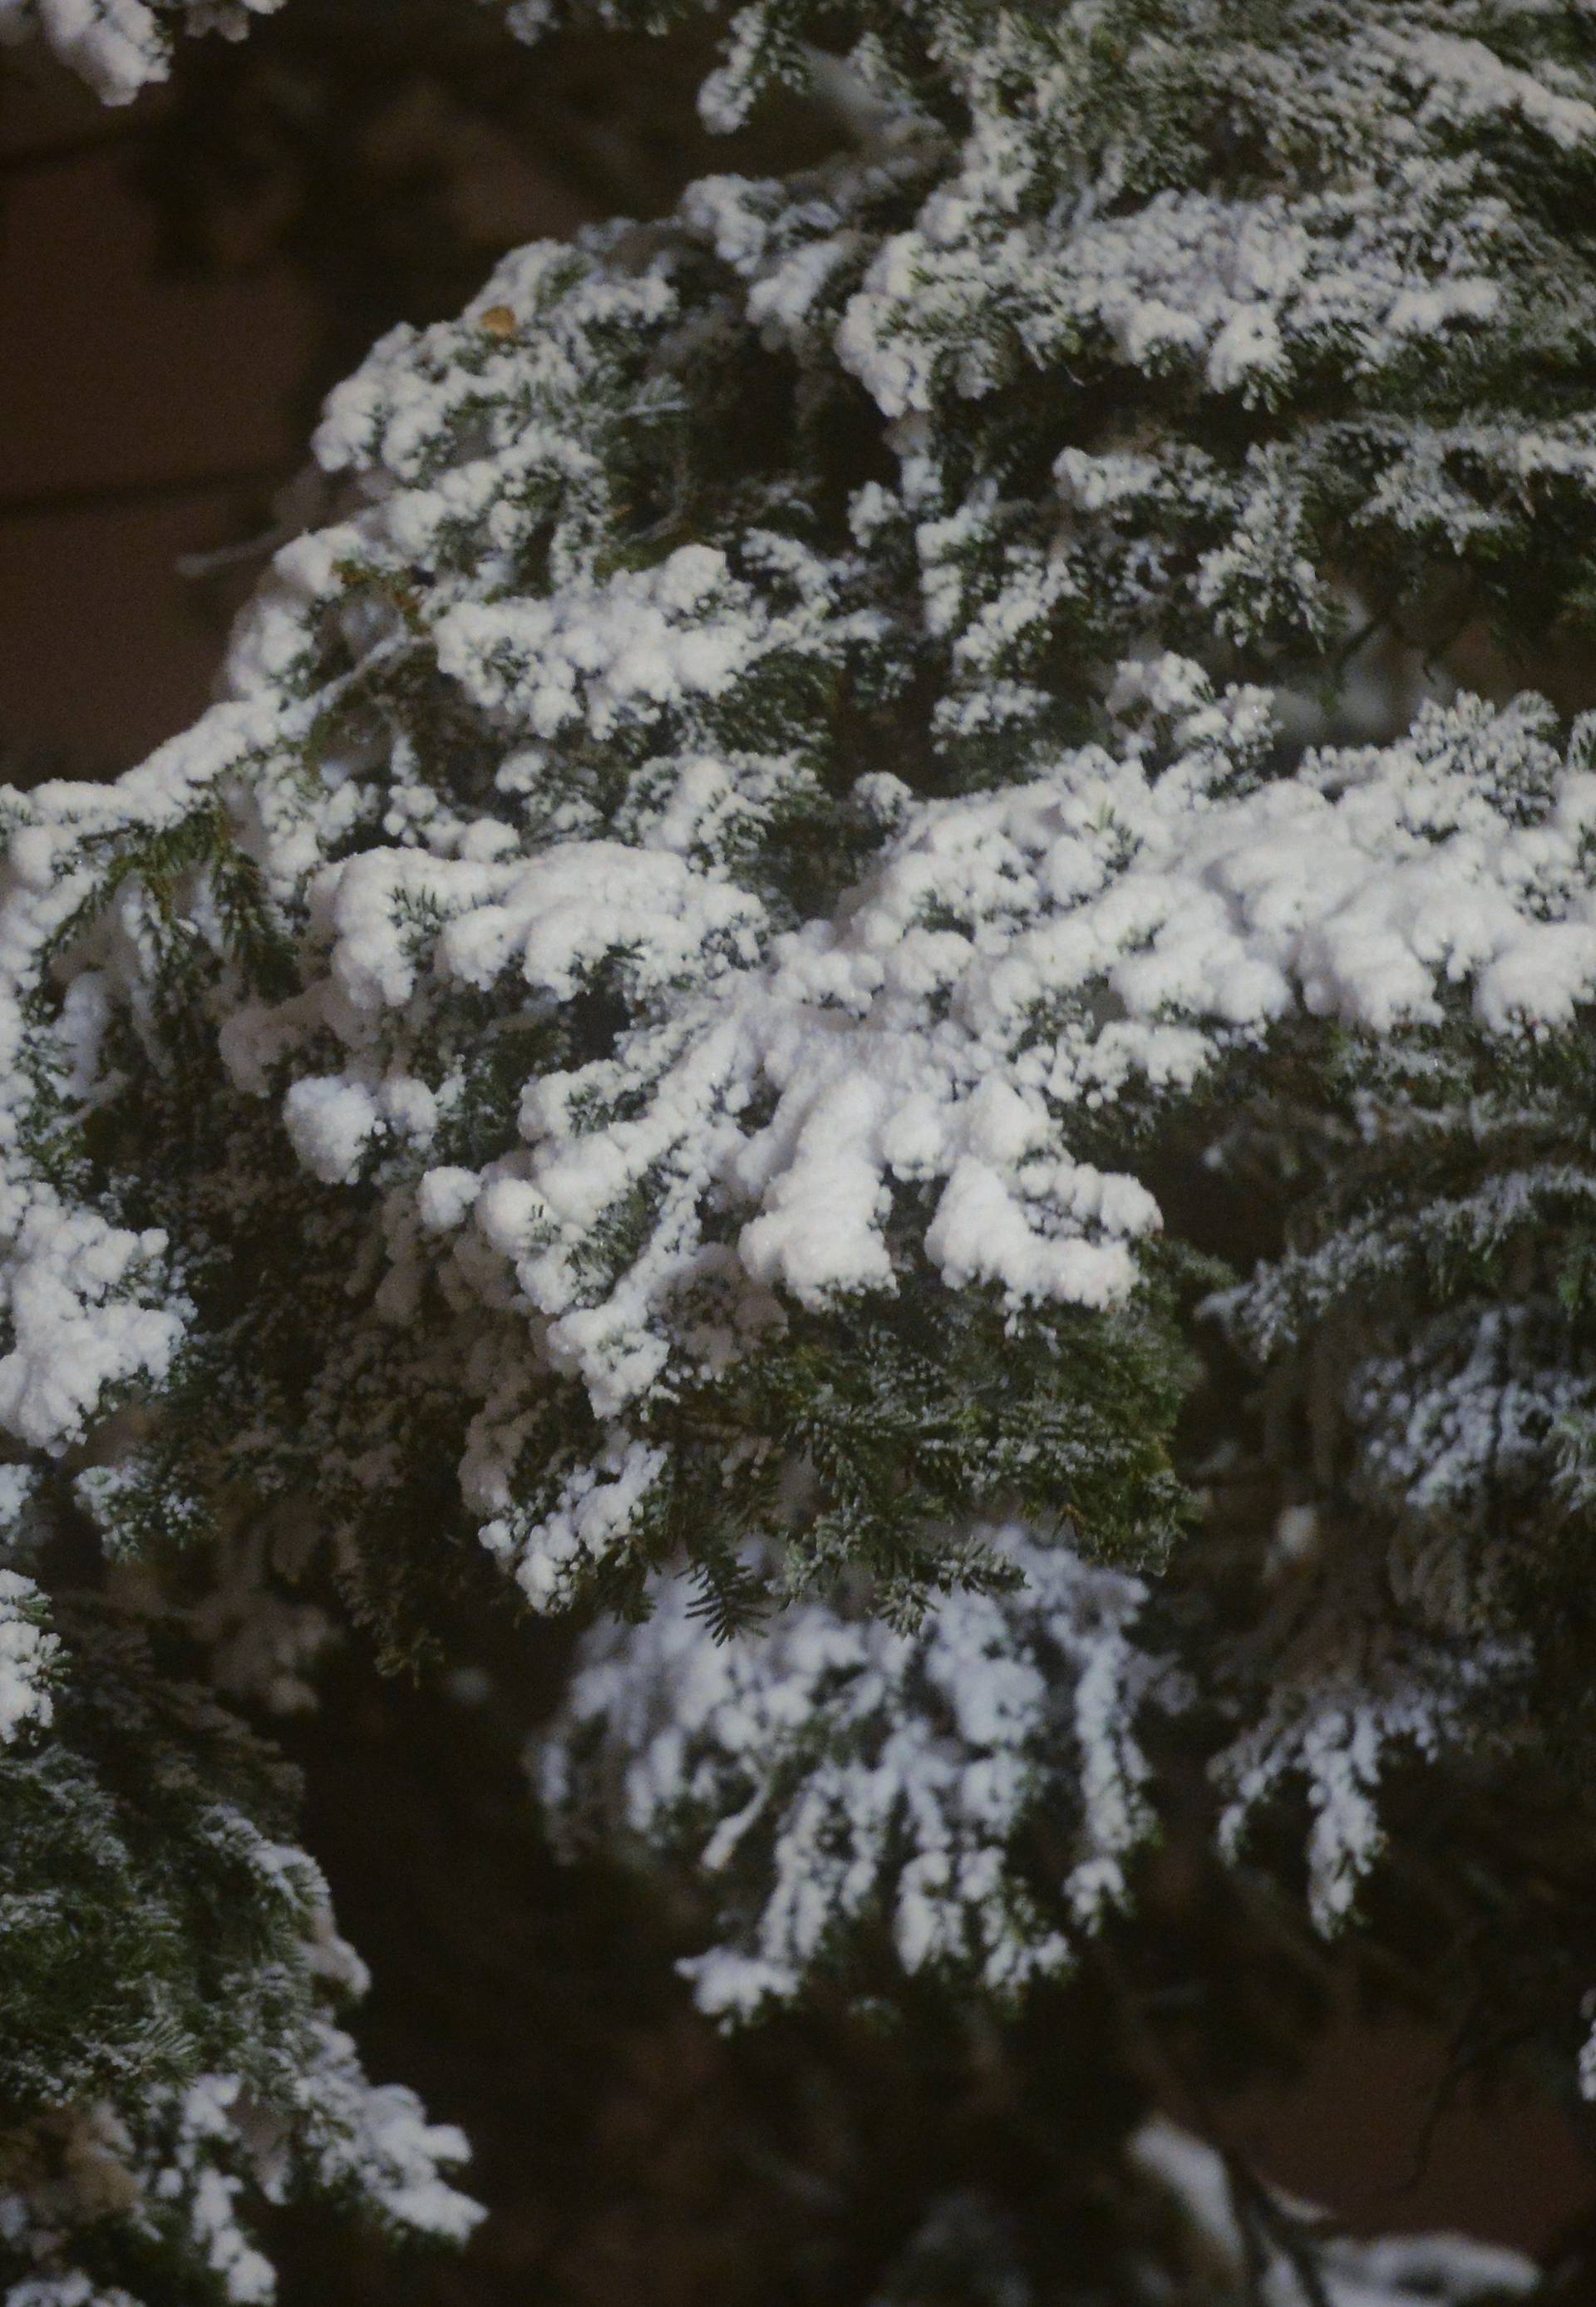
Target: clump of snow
121	46
1351	1689
829	1770
1327	2269
29	1652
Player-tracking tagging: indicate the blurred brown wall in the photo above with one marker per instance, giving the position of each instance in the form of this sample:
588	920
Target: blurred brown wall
122	397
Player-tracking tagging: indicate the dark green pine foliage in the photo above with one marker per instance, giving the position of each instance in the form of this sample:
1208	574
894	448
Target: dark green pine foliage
854	773
171	2060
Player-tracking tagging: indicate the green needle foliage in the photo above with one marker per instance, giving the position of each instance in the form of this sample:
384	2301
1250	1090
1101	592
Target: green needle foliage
883	909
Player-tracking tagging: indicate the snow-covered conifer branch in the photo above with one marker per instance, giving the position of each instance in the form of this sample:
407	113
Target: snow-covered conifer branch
691	1015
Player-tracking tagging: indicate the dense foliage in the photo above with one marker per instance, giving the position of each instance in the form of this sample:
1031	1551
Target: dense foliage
883	902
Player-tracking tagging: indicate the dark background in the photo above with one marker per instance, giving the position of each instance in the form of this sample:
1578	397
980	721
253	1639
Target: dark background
178	283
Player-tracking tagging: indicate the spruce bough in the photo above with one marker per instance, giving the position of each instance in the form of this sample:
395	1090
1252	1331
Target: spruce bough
846	772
